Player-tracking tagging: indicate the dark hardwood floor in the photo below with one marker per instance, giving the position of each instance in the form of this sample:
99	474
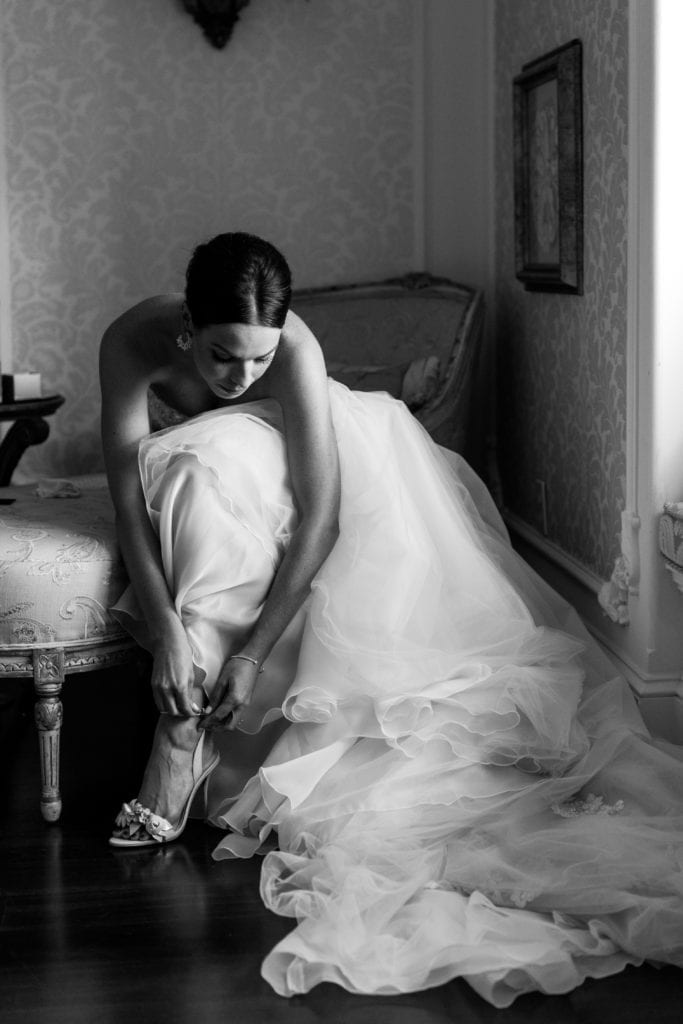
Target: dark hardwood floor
89	935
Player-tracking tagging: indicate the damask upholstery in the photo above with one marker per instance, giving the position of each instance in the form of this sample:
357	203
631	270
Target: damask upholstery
60	567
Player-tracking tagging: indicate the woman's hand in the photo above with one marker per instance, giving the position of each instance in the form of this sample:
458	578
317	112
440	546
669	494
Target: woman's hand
233	691
173	676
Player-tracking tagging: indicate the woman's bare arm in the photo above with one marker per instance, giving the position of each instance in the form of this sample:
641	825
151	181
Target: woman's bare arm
126	371
302	391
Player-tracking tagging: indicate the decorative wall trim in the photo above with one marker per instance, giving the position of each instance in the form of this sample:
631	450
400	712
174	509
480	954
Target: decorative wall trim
5	310
613	595
554	553
650	684
625	578
659	694
419	138
634	264
630	548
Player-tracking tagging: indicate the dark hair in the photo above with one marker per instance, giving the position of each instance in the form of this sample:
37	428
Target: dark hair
238	278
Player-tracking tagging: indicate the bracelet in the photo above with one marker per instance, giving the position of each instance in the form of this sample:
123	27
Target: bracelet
245	657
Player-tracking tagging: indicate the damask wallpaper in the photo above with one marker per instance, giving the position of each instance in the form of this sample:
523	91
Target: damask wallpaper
561	358
129	139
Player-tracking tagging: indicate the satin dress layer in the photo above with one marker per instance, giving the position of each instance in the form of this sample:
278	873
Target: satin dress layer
445	774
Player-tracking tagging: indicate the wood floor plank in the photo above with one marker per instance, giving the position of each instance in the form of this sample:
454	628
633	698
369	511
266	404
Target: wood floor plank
91	935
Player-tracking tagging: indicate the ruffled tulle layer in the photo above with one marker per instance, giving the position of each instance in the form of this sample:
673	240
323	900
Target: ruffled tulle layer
446	775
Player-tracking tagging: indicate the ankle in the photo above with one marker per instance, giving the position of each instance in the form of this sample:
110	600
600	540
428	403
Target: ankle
181	733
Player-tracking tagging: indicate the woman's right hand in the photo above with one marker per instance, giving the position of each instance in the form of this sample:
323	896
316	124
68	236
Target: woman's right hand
173	676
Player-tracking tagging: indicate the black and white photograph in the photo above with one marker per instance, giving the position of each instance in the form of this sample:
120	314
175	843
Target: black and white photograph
341	512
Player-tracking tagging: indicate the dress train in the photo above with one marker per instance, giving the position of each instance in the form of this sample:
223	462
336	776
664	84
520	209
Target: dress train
446	775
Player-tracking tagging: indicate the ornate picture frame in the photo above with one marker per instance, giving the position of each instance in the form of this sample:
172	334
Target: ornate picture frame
548	154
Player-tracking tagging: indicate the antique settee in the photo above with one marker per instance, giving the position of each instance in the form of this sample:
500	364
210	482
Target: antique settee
417	337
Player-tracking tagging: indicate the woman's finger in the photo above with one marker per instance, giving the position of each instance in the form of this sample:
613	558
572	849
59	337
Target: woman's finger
185	705
171	706
220	716
219	691
234	719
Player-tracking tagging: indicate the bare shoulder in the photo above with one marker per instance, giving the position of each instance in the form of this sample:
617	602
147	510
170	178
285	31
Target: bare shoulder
140	336
300	367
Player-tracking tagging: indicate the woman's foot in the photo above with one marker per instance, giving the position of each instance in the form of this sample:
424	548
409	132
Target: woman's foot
168	776
181	759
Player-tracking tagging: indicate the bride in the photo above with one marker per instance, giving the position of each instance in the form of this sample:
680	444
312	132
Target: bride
447	776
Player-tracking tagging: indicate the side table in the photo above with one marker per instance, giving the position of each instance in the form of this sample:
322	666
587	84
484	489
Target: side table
28	428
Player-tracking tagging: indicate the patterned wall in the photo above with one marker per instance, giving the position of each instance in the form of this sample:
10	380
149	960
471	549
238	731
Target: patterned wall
562	357
129	139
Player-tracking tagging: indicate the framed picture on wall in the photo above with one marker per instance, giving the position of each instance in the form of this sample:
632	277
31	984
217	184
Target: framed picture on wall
548	151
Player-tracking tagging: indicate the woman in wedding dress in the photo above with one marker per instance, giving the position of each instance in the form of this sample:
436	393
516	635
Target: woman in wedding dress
445	774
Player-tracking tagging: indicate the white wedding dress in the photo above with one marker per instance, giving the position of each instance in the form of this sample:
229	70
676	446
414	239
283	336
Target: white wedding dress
447	776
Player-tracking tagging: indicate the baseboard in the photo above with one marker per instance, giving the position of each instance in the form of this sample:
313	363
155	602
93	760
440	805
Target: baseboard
659	697
664	717
552	552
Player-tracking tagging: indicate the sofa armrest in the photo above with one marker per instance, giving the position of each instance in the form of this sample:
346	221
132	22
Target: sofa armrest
386	328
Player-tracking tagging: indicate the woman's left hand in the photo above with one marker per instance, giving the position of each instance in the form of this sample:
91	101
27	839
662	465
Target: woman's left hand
233	692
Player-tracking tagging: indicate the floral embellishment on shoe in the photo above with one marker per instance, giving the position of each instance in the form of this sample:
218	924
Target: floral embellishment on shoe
593	804
137	822
127	820
157	827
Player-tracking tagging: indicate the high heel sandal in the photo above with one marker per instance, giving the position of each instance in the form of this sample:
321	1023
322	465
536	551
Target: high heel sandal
138	826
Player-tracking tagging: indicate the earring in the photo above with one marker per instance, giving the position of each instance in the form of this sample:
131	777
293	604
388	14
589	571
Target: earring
184	339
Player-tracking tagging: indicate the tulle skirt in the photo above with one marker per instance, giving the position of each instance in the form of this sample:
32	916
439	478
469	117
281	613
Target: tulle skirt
445	774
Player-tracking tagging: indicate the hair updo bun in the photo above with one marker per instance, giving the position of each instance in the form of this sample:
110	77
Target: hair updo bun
238	278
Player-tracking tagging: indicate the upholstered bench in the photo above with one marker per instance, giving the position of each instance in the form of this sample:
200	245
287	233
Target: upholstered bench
416	337
60	571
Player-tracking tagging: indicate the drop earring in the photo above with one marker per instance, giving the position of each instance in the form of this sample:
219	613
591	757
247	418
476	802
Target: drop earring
184	339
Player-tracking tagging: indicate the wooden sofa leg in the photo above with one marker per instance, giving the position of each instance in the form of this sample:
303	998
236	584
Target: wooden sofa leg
48	678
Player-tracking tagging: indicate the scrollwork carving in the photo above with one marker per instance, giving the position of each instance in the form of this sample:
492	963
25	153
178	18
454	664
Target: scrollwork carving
19	667
48	715
48	666
613	596
101	660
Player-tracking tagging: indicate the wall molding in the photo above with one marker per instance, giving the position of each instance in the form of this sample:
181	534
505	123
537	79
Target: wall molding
419	138
645	684
553	552
625	579
659	694
637	296
5	281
